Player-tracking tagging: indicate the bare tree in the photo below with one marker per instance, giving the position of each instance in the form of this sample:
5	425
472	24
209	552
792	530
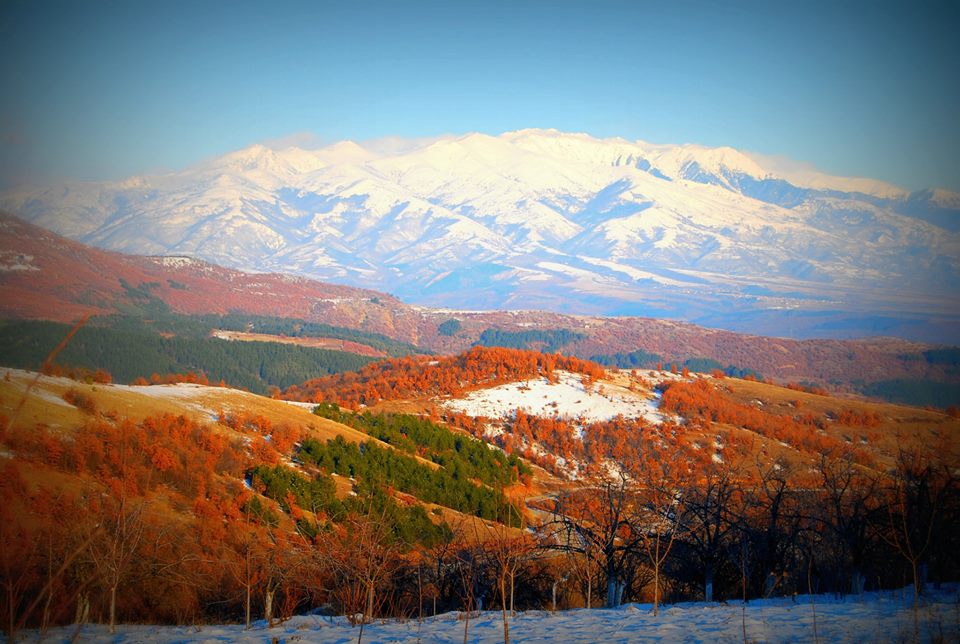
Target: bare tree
659	511
712	508
245	564
507	550
584	569
469	561
597	522
115	552
850	494
918	491
363	555
770	526
284	556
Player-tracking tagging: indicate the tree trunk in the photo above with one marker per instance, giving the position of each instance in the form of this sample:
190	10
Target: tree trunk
82	613
856	583
708	584
268	606
368	615
249	592
916	580
45	620
12	617
503	601
656	588
611	591
113	609
513	577
589	589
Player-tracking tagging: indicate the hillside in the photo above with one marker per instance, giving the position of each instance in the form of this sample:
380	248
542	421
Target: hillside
220	497
44	276
570	416
243	483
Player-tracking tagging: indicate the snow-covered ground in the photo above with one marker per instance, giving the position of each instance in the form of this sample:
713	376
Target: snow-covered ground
877	617
566	398
177	390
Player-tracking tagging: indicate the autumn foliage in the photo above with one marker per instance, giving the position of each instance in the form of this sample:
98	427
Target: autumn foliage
701	400
190	377
422	376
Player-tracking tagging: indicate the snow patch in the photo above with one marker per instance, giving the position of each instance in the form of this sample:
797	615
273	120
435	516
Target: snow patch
567	398
49	397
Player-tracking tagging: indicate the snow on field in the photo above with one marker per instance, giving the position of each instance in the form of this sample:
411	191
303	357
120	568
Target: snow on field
49	397
566	398
176	390
877	617
309	406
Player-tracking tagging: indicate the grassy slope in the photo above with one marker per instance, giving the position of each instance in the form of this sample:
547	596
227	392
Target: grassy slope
45	405
900	425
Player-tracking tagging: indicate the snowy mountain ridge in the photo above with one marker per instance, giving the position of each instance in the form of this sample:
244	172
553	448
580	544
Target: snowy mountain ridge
545	219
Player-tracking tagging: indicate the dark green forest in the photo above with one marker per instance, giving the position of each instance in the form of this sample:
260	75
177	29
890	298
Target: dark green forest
408	524
546	340
641	359
638	359
920	393
300	329
464	455
451	488
128	350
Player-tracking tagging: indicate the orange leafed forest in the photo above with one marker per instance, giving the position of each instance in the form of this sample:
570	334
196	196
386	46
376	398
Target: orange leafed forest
415	377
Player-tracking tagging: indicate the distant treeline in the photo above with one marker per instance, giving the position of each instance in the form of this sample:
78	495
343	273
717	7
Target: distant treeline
301	329
130	349
949	356
638	359
919	393
546	340
148	312
641	359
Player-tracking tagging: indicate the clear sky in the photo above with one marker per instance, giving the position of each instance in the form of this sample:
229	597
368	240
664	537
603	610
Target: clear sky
97	90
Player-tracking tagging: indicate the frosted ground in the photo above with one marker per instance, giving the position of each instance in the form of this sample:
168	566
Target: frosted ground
877	617
567	398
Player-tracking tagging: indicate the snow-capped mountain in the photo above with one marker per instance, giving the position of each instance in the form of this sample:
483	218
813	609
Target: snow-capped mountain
544	219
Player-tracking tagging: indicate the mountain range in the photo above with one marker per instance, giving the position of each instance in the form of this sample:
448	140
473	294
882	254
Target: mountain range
48	277
540	219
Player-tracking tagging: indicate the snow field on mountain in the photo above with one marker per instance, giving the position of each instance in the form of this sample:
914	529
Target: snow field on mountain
540	219
566	398
876	617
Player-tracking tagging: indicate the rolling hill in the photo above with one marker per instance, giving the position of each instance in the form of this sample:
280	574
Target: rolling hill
200	503
45	276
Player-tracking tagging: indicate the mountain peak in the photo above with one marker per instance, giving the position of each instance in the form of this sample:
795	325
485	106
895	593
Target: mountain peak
544	219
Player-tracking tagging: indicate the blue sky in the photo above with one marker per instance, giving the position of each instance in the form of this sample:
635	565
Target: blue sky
98	90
